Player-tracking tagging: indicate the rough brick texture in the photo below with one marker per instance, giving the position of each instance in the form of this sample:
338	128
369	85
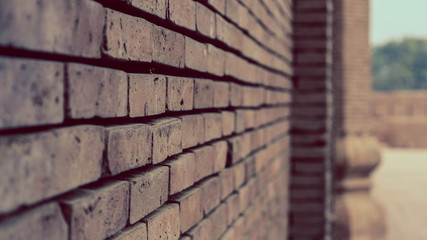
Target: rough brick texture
151	119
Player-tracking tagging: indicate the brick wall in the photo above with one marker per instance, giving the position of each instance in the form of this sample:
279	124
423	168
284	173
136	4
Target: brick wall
133	119
400	118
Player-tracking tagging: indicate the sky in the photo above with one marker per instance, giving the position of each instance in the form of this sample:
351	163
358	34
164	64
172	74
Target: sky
396	19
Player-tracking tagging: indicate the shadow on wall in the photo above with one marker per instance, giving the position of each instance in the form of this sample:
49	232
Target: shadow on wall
400	118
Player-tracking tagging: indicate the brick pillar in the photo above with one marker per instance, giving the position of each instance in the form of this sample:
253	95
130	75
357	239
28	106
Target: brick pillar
358	216
311	195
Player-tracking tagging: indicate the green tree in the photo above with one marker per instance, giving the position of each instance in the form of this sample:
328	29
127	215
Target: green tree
400	65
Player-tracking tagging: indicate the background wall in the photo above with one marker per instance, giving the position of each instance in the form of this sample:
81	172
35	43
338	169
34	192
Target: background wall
400	118
139	119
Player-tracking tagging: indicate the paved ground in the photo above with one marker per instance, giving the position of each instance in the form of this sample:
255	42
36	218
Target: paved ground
400	185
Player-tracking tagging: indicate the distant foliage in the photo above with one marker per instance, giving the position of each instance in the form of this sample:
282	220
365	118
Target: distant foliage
400	65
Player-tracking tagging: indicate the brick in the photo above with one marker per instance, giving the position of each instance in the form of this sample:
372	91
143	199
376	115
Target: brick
31	93
33	164
196	55
236	95
72	28
227	182
205	21
193	130
148	191
127	37
229	235
203	93
210	194
244	197
180	93
190	207
235	146
213	125
240	120
233	208
137	231
218	5
253	96
147	95
182	172
250	167
228	122
128	147
44	222
168	47
157	7
219	217
183	13
221	94
164	223
203	230
96	92
239	175
167	137
216	60
204	162
89	211
220	153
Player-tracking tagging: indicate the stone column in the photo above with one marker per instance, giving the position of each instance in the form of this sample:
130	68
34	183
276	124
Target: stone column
358	216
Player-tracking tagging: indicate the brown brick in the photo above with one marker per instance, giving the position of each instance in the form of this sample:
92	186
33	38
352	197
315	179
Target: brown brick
203	93
219	217
229	235
204	162
221	94
190	207
227	182
33	164
232	207
89	211
157	7
180	93
147	95
205	20
235	145
253	96
182	172
183	13
202	231
240	120
244	197
166	138
137	231
128	147
216	60
44	222
196	55
236	95
193	130
95	91
60	27
250	167
220	153
218	5
228	122
168	47
210	194
127	37
164	223
213	126
148	191
239	175
31	93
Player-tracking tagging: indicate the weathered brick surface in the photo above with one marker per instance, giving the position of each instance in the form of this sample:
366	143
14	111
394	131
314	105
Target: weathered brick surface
182	172
148	191
58	27
232	202
205	20
95	91
213	125
216	59
203	230
164	223
127	37
227	182
89	211
147	95
183	13
128	147
221	94
190	207
228	122
219	220
157	8
220	153
180	94
203	93
33	164
44	222
196	55
167	137
210	194
204	162
136	231
32	92
193	130
168	47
